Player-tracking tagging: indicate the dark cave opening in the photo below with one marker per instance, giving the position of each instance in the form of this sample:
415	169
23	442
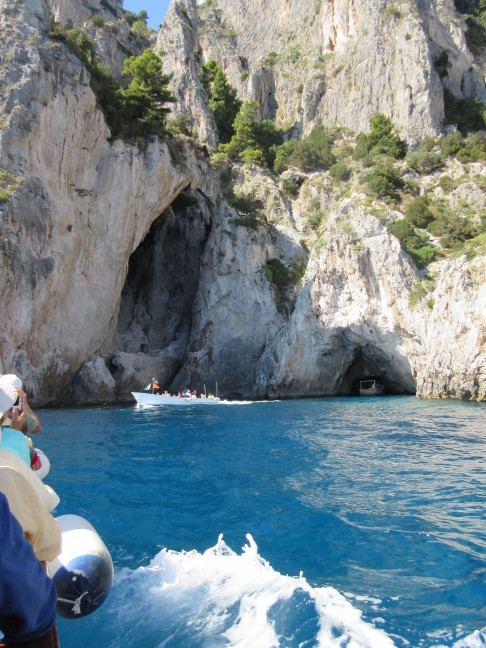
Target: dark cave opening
370	362
157	300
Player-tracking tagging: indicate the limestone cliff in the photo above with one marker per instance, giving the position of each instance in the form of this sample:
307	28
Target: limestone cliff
121	262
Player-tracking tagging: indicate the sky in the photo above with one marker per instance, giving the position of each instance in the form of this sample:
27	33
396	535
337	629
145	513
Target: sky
156	10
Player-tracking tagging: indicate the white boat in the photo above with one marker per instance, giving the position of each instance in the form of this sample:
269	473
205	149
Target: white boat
147	399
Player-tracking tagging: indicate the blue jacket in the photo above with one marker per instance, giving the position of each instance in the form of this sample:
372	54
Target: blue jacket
27	595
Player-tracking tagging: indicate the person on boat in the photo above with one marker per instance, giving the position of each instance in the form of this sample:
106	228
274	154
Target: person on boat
32	424
24	419
28	597
12	422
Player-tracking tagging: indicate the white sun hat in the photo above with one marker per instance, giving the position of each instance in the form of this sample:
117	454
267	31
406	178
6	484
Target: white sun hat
8	396
10	379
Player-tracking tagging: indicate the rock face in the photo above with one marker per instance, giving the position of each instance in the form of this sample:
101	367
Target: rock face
120	263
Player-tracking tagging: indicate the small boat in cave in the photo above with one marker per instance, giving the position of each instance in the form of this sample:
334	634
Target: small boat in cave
370	388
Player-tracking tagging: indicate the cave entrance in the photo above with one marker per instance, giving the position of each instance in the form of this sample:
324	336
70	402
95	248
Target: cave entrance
157	301
370	362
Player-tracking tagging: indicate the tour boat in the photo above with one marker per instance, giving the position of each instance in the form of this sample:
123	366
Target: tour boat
370	388
147	399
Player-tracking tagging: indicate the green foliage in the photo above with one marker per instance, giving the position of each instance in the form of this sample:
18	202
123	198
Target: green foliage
413	244
223	99
312	152
466	149
282	279
290	187
225	105
446	183
254	141
418	212
8	183
180	124
281	162
467	114
384	180
381	140
475	15
277	273
140	28
426	159
416	294
405	233
452	228
98	20
315	219
271	58
340	172
129	17
424	255
207	75
140	109
248	206
147	95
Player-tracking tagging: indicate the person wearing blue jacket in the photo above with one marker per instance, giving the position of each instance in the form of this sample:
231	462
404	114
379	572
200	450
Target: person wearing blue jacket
28	596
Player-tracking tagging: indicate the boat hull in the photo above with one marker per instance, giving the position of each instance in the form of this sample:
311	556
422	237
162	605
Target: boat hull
378	391
145	399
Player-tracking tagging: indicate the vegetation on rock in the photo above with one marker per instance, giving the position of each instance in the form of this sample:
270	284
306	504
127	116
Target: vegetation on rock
136	111
254	141
223	99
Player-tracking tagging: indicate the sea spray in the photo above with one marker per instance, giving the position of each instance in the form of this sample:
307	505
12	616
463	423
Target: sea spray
221	598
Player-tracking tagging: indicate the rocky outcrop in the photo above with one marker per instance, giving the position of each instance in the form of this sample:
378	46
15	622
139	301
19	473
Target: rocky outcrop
123	262
340	62
82	206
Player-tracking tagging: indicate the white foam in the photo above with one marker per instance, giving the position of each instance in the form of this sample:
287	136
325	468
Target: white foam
222	598
475	640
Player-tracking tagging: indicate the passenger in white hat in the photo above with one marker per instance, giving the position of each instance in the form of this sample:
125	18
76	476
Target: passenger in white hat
12	420
29	499
32	423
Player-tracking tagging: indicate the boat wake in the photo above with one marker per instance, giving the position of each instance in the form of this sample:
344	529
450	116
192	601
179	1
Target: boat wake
220	598
217	598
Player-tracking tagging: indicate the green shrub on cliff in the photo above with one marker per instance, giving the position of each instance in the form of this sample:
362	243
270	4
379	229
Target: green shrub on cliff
311	152
140	109
223	99
467	114
414	244
384	180
254	141
381	140
146	97
475	14
418	212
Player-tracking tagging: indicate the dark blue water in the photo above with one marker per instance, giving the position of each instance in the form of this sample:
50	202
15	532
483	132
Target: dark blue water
366	518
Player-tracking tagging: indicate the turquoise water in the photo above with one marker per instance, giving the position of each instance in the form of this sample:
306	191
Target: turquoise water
344	522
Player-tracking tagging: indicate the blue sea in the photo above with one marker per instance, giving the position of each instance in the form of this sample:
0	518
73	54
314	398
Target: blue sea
338	522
